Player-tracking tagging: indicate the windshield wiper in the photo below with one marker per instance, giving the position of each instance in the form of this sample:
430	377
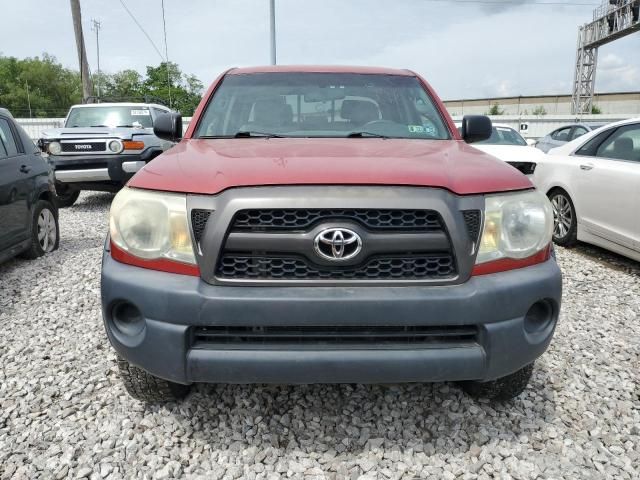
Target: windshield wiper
247	134
365	134
100	126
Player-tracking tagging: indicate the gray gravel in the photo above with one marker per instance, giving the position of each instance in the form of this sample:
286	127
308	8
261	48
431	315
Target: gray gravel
64	413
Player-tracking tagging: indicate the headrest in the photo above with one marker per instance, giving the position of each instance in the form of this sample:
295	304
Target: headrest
359	111
623	147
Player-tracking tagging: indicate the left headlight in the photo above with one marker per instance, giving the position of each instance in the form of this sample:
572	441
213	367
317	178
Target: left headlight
151	225
516	225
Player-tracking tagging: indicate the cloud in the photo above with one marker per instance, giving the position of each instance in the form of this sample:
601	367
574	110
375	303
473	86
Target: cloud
465	50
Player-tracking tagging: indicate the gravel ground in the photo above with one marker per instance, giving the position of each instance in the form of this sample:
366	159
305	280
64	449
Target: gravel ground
64	412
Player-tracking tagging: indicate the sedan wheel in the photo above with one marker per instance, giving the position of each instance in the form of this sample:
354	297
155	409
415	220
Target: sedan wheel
564	219
47	230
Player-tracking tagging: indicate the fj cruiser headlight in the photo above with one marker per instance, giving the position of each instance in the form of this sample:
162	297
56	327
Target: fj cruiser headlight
516	225
151	225
54	148
115	146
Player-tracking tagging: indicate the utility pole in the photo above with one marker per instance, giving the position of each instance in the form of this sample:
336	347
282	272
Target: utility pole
28	98
82	53
272	14
96	25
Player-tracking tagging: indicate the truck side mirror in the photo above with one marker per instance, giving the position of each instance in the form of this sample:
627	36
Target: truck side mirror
168	126
476	128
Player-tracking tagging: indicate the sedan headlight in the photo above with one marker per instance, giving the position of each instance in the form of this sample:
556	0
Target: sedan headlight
55	148
516	225
151	225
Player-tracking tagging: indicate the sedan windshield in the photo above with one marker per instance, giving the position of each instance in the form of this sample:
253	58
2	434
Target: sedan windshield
321	105
110	116
504	136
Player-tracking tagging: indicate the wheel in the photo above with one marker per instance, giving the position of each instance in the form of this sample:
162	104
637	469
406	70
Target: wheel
501	389
67	197
45	233
143	386
565	223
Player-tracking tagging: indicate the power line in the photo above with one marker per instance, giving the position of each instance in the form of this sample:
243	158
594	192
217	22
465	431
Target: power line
142	29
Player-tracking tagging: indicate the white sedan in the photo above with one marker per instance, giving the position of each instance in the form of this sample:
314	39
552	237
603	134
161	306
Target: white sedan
508	145
593	183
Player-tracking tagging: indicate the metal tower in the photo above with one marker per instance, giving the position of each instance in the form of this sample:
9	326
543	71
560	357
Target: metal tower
612	20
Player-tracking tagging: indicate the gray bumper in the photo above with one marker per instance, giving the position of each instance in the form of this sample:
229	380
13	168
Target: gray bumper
172	304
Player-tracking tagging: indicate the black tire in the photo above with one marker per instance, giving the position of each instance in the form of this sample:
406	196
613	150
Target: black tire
67	197
501	389
145	387
45	232
565	222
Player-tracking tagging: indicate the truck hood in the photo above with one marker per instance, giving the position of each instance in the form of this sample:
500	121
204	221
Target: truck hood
209	166
94	132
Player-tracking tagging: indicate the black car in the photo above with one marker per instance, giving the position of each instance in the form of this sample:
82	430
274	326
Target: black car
28	211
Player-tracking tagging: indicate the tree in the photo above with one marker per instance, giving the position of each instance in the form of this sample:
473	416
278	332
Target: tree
183	92
42	83
50	89
495	110
595	110
540	110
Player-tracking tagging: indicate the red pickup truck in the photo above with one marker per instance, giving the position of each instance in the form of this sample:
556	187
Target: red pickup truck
327	224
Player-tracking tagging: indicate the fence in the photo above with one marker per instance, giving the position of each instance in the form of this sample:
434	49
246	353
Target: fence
530	126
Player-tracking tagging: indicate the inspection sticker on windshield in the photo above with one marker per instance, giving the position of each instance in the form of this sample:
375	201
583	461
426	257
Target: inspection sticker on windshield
139	113
428	129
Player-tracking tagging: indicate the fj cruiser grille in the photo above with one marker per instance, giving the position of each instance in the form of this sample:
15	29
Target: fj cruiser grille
86	147
422	267
301	219
383	336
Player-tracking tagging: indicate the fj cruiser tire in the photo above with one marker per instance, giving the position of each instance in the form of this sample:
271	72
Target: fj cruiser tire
563	211
67	198
147	388
45	232
501	389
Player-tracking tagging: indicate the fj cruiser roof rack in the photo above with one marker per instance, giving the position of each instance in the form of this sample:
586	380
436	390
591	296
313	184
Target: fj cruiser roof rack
142	99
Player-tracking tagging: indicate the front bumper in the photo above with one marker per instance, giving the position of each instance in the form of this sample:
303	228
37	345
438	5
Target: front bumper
172	305
81	171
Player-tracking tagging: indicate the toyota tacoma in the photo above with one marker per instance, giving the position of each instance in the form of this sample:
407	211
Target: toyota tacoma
327	225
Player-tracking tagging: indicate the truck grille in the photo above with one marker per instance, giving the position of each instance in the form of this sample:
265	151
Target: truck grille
332	336
278	245
423	267
302	219
71	147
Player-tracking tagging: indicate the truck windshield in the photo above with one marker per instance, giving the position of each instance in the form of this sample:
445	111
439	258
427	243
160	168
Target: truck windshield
109	116
321	105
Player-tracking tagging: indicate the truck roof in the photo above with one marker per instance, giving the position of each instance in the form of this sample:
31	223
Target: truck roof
320	69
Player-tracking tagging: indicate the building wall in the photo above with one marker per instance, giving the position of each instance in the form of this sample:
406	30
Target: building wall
609	103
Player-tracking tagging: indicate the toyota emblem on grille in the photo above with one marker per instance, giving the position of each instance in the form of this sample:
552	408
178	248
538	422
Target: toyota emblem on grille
82	146
337	244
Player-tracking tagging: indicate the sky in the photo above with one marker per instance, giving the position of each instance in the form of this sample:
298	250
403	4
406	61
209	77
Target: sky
465	50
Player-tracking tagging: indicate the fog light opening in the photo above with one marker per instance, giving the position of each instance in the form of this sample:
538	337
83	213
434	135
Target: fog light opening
127	318
539	316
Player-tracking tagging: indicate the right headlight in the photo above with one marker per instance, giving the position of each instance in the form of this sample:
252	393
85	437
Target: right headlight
516	225
151	225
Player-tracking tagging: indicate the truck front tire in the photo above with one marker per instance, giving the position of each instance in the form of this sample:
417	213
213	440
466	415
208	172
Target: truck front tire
145	387
501	389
